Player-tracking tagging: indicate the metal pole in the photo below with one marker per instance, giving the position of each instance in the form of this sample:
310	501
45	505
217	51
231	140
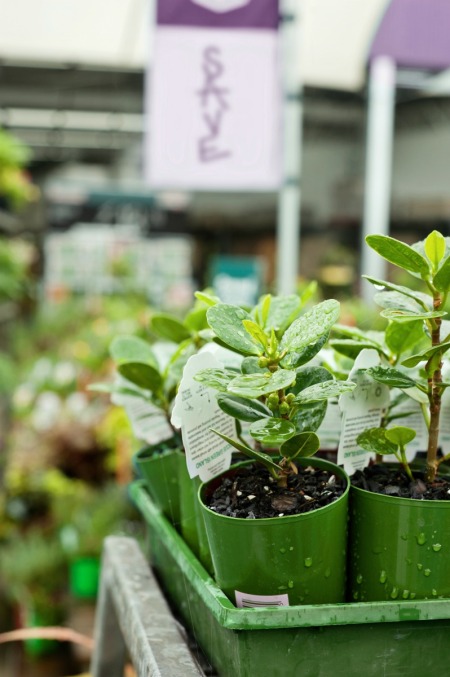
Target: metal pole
288	218
380	134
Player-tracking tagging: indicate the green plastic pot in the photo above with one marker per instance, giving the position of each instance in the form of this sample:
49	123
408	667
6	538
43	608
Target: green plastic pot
301	556
84	573
38	618
158	466
389	638
399	547
192	525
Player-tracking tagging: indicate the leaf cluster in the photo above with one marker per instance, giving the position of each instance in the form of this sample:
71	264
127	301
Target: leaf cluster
282	399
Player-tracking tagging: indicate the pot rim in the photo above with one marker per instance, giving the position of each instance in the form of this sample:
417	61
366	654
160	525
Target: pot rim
329	465
400	500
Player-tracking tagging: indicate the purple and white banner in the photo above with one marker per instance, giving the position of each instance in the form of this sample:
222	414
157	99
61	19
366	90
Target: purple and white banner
213	97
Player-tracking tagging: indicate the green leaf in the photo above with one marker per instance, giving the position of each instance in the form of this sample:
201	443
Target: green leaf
310	416
136	362
259	456
169	327
399	253
264	306
128	348
404	316
282	311
310	327
323	391
257	333
401	337
242	408
442	278
195	320
255	385
143	375
207	299
426	299
435	248
215	378
400	435
226	320
414	360
391	377
309	376
352	348
396	301
302	445
297	358
374	440
272	432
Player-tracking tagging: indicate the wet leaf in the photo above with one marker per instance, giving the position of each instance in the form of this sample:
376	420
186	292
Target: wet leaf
393	378
272	431
399	253
323	391
310	327
255	385
226	321
242	408
302	445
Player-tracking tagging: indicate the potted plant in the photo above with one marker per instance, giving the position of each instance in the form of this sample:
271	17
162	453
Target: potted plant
277	524
149	377
409	559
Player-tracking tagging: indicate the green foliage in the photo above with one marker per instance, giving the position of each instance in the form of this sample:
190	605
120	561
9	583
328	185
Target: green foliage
420	313
283	401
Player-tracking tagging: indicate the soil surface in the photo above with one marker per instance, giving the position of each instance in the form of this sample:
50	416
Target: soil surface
252	493
381	479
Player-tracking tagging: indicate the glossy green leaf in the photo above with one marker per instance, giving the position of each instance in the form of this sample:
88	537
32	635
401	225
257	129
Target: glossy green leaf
272	432
405	316
128	348
195	320
396	301
352	348
302	445
375	441
310	327
442	278
226	320
414	360
309	416
143	375
309	376
243	408
281	312
323	391
400	435
401	337
256	385
297	358
393	378
258	335
207	299
218	379
399	253
258	456
169	327
435	248
424	299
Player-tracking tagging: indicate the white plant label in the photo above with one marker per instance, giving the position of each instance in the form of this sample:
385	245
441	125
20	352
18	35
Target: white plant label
196	412
147	422
362	408
246	601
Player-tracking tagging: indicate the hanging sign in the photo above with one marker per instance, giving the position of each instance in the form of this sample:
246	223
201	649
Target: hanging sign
213	96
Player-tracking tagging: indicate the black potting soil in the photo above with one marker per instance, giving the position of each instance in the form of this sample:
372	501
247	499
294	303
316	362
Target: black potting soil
252	493
394	481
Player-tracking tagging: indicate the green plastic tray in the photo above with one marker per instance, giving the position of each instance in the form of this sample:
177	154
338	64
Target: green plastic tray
392	639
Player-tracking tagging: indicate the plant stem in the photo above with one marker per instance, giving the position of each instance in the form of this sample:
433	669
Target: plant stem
434	396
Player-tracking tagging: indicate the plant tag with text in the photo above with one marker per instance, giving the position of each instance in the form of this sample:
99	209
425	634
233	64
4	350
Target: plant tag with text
329	430
361	409
147	422
246	601
196	412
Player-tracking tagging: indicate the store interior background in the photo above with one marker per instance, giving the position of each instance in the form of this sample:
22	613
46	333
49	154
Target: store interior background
72	81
